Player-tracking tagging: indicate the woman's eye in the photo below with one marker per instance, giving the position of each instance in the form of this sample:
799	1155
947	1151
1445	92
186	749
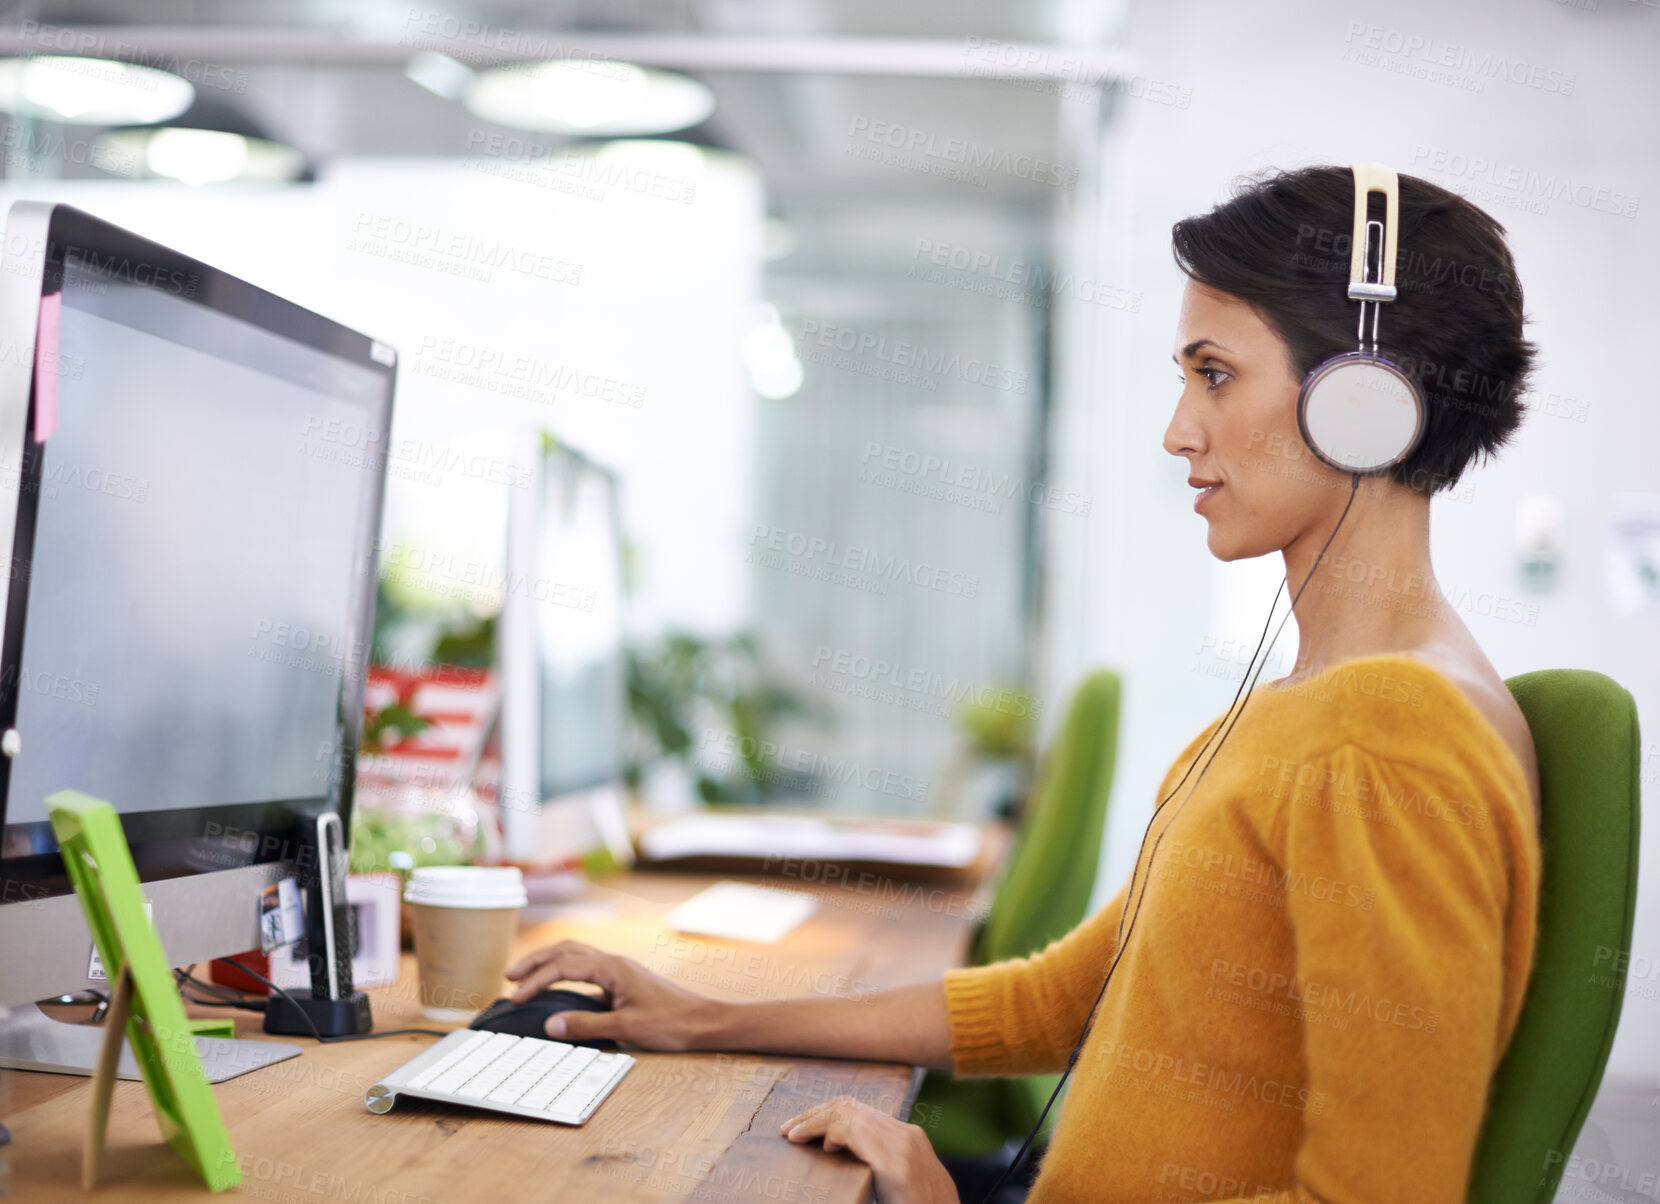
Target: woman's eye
1210	375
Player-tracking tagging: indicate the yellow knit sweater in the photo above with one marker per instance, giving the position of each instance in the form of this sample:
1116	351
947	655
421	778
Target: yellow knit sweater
1327	964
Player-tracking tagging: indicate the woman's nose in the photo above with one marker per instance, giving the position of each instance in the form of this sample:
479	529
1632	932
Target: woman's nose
1183	436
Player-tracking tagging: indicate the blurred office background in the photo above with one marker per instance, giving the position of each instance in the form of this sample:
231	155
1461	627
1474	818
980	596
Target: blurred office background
870	308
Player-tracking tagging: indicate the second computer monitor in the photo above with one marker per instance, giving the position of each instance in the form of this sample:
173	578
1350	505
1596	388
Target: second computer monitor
564	682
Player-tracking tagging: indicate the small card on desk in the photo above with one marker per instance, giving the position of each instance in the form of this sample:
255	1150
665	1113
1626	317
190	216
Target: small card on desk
743	912
281	921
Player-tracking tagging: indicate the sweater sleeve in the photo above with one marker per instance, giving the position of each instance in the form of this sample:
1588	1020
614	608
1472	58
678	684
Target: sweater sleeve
1398	891
1023	1016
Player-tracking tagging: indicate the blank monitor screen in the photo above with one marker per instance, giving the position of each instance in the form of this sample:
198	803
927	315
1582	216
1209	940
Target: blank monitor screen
579	626
204	511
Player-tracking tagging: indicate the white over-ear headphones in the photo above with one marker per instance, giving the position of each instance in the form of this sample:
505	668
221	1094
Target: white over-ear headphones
1359	412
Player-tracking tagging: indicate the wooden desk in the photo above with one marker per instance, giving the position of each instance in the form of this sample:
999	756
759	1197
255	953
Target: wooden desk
699	1127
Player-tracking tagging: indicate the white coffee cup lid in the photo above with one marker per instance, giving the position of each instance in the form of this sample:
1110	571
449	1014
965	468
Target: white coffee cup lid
478	886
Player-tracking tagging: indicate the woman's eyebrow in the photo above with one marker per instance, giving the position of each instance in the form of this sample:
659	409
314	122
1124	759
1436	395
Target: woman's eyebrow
1195	345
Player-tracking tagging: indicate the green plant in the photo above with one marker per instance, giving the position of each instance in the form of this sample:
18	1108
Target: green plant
687	688
379	835
1000	730
996	755
414	629
469	642
395	719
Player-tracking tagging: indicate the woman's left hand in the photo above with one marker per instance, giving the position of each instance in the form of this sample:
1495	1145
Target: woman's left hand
899	1154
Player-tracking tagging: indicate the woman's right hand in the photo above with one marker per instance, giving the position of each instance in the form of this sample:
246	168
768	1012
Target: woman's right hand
646	1009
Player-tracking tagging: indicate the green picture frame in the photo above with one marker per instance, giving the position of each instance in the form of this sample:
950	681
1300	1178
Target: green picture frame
162	1038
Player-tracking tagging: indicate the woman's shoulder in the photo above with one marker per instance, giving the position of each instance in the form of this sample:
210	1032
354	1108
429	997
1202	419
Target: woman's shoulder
1376	701
1487	693
1430	705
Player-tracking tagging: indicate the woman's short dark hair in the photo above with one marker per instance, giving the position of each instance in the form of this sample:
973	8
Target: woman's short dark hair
1282	245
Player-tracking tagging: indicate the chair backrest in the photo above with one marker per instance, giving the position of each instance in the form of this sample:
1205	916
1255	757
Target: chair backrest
1585	732
1051	872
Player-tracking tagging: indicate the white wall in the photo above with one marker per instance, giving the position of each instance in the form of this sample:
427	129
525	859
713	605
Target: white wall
612	317
1271	87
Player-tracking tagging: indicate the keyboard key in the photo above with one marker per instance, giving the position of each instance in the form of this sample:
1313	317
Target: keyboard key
586	1086
462	1049
474	1063
527	1075
556	1080
495	1074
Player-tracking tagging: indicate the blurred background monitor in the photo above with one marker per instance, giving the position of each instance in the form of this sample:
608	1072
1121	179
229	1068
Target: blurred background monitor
564	683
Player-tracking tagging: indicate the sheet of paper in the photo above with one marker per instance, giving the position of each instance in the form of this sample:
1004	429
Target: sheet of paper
743	912
896	842
47	366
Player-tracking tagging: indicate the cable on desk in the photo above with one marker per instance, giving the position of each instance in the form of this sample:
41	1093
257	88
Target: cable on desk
391	1032
183	976
99	1003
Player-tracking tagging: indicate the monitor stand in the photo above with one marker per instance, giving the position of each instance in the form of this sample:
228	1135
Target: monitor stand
32	1040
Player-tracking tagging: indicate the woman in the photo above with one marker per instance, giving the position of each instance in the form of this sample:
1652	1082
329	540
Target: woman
1332	924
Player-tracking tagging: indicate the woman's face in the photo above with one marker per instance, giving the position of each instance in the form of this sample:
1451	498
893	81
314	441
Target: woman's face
1236	423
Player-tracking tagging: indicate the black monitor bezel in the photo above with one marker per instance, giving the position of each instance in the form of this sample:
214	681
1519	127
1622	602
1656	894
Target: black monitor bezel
170	844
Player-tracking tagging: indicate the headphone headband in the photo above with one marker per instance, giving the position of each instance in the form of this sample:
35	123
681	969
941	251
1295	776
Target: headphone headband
1358	412
1370	178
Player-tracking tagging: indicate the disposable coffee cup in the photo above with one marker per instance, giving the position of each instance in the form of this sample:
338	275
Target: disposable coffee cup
464	918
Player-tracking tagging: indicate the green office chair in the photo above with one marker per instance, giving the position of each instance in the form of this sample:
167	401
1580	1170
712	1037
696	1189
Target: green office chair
1043	895
1585	733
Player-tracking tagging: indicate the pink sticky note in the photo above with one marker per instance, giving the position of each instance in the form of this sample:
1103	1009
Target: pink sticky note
46	367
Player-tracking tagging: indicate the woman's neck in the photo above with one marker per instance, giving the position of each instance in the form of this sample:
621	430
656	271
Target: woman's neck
1374	590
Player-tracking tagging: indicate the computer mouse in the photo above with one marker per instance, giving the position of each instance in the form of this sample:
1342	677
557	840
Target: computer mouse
525	1018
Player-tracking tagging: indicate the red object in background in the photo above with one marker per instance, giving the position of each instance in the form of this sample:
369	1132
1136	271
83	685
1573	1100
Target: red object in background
237	980
455	700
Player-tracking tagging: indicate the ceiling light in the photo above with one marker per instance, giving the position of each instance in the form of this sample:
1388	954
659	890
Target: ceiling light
210	143
588	97
195	156
439	73
769	353
777	239
681	160
86	91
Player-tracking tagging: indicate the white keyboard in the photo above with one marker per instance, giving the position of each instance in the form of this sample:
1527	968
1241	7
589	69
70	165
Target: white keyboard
522	1076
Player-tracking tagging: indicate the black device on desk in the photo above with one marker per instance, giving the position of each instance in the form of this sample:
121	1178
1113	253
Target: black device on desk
526	1018
333	1009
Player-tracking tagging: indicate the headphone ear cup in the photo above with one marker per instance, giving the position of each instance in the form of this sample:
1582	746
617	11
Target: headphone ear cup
1360	413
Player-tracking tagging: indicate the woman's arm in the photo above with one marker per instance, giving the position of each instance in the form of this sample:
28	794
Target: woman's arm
1014	1017
901	1024
1023	1016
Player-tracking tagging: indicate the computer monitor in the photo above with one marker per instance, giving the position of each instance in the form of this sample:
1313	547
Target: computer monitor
191	480
564	682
